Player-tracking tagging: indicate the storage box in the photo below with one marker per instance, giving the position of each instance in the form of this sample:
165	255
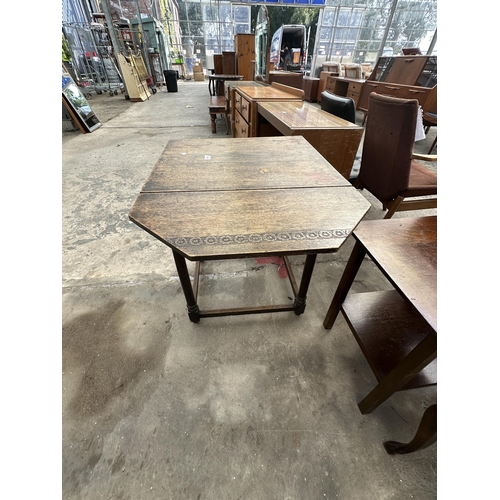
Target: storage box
198	67
198	77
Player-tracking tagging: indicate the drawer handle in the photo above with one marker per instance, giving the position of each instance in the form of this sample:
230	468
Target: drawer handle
393	88
372	85
244	107
243	130
413	91
409	60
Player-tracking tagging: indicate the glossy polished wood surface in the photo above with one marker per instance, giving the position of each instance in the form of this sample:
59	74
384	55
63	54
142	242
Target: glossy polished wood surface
406	251
266	92
258	163
303	115
337	140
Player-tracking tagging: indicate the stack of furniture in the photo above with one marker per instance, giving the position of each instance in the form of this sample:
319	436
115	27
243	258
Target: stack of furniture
406	77
135	76
330	68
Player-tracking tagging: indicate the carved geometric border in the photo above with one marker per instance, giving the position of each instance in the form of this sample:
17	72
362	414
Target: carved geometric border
241	239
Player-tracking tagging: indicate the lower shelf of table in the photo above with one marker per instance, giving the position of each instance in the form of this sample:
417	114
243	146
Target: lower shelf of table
387	329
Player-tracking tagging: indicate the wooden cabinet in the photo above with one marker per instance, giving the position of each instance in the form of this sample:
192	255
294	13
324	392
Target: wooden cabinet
345	87
310	87
407	77
228	63
244	46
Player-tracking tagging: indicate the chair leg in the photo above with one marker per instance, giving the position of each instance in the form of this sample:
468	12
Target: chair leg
393	207
227	123
433	145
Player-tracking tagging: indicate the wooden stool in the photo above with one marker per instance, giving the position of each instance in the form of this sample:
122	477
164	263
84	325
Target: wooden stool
217	106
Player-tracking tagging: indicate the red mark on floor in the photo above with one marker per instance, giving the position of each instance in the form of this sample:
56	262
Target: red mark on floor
274	260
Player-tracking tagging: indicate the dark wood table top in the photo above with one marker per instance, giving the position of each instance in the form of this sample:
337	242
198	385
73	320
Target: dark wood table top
225	77
405	249
230	164
235	198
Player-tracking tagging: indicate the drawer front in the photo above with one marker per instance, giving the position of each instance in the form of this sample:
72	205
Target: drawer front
393	90
420	94
330	85
241	127
354	87
237	101
354	96
245	109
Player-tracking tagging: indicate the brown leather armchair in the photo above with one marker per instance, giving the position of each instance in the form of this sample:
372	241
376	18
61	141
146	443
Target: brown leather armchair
388	168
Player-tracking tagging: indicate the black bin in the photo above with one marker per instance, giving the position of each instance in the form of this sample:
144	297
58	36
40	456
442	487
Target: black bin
171	79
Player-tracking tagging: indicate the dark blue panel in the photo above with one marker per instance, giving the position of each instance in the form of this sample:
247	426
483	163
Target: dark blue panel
286	2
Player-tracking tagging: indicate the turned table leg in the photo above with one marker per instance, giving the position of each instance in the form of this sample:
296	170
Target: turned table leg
300	299
182	270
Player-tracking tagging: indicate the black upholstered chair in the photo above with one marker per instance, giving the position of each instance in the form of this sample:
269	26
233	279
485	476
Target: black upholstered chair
343	107
388	168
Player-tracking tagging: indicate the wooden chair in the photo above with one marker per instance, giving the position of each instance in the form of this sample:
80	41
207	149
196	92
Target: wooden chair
217	106
389	170
429	114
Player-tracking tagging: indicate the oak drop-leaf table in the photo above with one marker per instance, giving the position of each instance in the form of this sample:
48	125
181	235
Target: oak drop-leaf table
232	198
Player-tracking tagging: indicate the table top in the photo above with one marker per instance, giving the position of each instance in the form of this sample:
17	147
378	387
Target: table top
266	92
212	199
229	164
226	77
303	115
405	249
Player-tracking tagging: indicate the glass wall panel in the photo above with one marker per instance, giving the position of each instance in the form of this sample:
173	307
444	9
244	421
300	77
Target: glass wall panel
362	30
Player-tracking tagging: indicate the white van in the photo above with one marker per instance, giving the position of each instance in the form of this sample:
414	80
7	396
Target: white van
289	48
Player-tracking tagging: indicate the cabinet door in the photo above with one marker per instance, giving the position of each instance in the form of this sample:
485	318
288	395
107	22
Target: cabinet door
244	45
406	70
367	89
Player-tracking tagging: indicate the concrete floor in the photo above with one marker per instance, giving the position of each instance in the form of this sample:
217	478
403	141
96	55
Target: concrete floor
248	407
